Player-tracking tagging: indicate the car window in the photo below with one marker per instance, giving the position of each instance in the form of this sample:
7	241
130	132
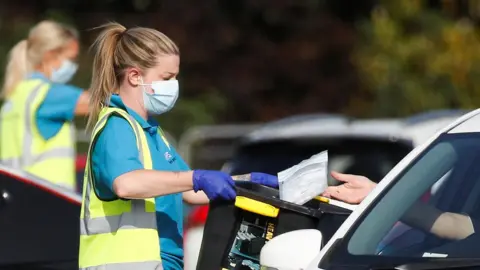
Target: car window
371	158
432	209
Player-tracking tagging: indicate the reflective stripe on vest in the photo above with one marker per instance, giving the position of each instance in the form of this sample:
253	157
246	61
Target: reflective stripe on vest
136	220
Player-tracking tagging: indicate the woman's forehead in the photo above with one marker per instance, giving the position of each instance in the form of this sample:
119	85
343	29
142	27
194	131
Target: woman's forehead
168	64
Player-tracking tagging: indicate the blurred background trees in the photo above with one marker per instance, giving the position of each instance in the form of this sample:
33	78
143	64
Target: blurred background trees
259	60
413	58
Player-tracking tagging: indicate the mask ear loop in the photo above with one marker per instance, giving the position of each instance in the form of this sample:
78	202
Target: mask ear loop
143	86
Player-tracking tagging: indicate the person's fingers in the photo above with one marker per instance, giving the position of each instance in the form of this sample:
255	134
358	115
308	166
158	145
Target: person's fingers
328	191
344	177
325	194
231	194
340	196
338	193
229	180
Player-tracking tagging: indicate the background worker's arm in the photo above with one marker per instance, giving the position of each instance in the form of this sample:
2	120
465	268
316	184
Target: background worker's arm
81	108
445	225
59	106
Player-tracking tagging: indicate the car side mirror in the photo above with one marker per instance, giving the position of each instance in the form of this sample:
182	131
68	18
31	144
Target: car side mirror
293	250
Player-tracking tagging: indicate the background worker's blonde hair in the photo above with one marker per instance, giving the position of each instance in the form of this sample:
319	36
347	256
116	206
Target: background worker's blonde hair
27	54
117	49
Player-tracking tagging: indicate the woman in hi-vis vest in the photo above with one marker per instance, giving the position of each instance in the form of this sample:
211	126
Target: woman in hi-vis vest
135	181
36	130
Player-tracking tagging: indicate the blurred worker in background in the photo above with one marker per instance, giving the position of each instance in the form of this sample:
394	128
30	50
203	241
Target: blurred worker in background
135	180
36	130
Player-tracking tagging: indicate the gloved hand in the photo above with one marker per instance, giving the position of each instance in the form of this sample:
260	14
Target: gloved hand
215	184
264	179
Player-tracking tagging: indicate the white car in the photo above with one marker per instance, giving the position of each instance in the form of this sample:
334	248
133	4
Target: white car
366	147
376	234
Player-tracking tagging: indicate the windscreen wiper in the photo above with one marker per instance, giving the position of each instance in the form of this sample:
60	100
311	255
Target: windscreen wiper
441	264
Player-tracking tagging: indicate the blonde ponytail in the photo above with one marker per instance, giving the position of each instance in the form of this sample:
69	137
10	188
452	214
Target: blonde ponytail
104	75
117	49
17	68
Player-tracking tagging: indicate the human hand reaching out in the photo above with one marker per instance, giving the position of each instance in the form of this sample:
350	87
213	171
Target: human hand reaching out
353	190
215	184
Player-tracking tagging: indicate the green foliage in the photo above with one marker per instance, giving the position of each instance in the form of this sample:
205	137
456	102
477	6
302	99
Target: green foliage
413	59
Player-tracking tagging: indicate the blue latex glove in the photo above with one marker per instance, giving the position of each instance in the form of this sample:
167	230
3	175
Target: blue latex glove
215	184
264	179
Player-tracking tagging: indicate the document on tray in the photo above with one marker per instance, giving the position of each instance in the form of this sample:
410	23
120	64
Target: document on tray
304	181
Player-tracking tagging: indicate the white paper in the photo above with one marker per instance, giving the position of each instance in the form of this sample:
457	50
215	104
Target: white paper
302	182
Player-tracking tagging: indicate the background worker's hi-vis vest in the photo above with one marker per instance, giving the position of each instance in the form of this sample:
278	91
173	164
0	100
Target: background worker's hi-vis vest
22	146
118	234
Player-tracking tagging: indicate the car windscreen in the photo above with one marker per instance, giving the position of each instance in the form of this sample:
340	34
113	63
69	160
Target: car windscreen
372	158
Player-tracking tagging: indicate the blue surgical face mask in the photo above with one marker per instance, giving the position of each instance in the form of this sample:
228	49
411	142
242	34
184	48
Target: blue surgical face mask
65	72
165	94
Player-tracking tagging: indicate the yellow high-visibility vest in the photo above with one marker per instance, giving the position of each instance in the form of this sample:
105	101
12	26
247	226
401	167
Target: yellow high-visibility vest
21	145
118	234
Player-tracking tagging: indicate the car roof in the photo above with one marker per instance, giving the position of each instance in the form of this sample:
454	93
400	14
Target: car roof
415	129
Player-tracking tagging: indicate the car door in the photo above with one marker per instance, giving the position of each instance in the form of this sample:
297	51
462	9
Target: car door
39	224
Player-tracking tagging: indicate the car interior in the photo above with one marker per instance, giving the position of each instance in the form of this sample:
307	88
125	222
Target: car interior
450	176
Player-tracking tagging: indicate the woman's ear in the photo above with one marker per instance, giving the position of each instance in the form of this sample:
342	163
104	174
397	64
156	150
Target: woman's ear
133	77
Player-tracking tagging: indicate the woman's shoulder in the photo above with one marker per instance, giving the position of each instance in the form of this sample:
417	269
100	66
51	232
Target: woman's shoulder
117	125
115	133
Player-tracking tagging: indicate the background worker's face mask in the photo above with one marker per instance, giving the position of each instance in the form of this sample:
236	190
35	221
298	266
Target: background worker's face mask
163	98
64	73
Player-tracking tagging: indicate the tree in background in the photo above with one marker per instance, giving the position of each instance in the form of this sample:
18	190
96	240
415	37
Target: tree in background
411	59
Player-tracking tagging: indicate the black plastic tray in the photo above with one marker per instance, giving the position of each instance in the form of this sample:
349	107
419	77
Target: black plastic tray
271	196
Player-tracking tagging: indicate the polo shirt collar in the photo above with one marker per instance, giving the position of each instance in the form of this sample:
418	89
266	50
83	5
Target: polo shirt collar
37	75
150	125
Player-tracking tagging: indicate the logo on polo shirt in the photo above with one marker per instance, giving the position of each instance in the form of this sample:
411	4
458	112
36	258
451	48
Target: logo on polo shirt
169	157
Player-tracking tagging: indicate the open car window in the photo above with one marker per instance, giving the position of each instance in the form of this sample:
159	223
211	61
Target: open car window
448	172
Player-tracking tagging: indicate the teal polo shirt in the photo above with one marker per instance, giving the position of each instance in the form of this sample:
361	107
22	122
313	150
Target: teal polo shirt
115	153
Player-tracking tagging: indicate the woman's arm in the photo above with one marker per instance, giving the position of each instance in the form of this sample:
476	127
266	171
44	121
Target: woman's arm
445	225
81	107
118	170
142	184
192	197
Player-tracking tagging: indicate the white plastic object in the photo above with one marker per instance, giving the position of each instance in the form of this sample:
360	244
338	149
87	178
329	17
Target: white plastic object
291	251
